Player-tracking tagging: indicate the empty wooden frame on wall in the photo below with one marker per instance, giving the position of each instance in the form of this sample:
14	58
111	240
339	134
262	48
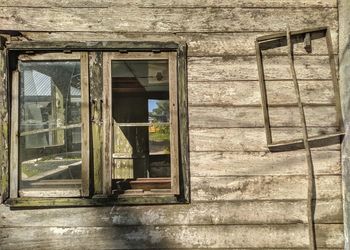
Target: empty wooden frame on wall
280	40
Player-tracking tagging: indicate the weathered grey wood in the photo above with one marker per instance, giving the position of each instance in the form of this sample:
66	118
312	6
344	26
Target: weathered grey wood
52	192
14	159
171	3
165	19
174	123
244	68
263	188
215	213
96	94
233	117
245	139
183	122
85	125
4	127
255	163
50	56
248	93
246	236
107	125
199	44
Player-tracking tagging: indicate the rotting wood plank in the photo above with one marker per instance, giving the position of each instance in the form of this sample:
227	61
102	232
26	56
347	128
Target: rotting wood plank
96	94
212	164
262	188
242	67
245	139
238	116
241	93
164	19
199	44
141	237
213	213
171	3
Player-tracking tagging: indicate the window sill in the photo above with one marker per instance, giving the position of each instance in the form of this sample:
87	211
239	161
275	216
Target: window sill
28	203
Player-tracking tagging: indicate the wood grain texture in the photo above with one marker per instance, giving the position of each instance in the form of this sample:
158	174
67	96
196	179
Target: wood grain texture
228	93
244	139
164	19
4	128
96	93
141	237
170	3
255	164
234	117
263	188
199	44
213	213
230	68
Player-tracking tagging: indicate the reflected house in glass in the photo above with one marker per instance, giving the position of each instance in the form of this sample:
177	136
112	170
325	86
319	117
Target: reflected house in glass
49	102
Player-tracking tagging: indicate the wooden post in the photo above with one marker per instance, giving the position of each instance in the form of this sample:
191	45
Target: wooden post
14	163
4	137
96	84
306	145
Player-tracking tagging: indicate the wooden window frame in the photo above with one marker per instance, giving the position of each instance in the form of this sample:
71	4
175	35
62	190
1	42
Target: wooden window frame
280	40
108	57
94	51
83	191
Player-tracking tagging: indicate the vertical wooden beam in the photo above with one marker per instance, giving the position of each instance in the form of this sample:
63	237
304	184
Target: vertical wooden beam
14	161
96	95
4	137
183	120
107	124
263	93
174	124
311	184
85	124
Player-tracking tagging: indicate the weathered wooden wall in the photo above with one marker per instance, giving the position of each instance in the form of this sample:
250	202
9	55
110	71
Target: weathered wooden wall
242	195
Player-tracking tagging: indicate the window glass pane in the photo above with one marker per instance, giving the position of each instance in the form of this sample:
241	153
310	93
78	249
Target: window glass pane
140	107
50	130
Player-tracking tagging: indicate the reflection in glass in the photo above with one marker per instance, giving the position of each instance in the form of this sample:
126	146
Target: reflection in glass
50	117
140	107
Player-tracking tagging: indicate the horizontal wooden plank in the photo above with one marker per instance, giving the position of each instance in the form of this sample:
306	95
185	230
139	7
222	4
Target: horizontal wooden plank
262	188
199	44
215	213
235	68
234	117
165	19
279	163
245	139
143	237
248	92
169	3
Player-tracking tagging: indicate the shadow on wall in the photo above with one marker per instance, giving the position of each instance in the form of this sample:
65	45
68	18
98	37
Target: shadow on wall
92	228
